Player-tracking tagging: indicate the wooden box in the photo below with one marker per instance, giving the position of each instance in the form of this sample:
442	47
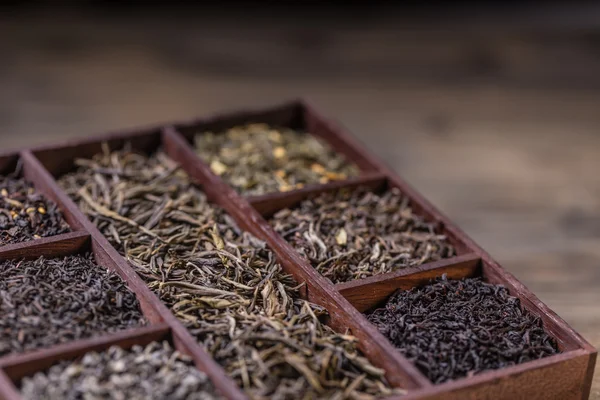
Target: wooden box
567	375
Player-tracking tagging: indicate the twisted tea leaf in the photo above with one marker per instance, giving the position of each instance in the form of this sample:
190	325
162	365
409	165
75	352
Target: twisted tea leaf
451	329
222	283
151	372
350	235
26	214
50	301
258	158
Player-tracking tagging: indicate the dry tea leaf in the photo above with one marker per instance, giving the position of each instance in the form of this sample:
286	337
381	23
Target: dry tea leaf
250	158
217	238
45	302
26	214
151	372
476	327
386	234
223	284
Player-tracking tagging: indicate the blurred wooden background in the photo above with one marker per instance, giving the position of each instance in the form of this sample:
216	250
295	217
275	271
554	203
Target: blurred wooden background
492	114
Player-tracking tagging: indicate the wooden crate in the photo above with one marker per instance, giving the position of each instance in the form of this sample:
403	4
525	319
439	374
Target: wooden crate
567	375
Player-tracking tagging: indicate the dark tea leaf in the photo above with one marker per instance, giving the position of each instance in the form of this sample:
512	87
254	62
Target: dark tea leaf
26	214
151	372
221	282
456	328
257	158
58	300
348	235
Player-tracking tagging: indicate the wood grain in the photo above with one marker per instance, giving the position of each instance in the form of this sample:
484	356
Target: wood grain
8	391
510	156
52	246
270	203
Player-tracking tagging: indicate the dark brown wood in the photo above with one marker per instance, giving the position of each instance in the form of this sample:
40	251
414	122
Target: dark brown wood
52	246
58	159
286	114
567	375
559	377
269	204
8	391
19	365
367	293
289	114
8	162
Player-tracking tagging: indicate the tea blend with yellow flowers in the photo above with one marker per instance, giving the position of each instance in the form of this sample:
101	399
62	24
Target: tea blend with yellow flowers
257	158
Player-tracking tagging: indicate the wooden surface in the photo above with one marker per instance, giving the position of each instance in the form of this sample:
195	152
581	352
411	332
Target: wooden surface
512	157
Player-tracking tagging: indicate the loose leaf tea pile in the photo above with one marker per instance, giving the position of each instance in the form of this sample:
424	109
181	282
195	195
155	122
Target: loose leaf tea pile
26	214
349	235
451	329
151	372
58	300
257	158
222	283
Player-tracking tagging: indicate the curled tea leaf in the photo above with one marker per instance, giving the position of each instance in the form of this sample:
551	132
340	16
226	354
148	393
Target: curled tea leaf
223	284
354	234
219	243
489	329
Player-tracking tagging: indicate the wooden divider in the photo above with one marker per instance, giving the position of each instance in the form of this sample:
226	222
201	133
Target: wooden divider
106	255
399	371
566	375
52	246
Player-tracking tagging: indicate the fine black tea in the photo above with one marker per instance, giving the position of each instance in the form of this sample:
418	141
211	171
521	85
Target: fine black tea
223	284
26	214
348	235
456	328
50	301
151	372
257	158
